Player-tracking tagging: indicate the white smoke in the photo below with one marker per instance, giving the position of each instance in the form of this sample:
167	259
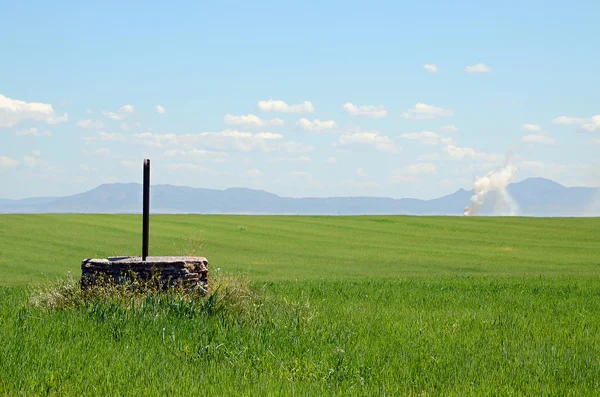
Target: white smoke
495	181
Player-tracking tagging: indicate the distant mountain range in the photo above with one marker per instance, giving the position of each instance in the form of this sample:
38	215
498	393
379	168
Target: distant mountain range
535	197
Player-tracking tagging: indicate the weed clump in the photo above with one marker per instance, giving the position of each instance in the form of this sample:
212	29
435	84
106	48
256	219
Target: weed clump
232	294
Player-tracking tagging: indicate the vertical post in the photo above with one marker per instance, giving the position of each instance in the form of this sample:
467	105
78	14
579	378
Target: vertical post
146	213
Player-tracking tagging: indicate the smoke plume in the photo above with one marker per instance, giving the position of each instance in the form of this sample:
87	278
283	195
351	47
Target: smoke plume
496	182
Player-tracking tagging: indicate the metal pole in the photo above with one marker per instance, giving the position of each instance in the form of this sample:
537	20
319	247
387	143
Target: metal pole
146	214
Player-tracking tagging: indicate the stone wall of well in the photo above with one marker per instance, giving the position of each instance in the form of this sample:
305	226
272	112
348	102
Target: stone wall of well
185	271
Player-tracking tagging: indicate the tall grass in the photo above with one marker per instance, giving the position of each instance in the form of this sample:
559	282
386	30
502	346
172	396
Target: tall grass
225	292
330	306
434	336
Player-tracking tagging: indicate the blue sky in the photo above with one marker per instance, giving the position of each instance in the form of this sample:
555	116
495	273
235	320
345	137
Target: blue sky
413	99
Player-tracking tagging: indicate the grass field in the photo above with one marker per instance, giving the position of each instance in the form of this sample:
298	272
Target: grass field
335	306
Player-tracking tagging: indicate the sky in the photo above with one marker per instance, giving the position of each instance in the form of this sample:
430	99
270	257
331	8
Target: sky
301	99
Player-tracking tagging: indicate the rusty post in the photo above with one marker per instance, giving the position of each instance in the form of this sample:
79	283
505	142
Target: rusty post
146	213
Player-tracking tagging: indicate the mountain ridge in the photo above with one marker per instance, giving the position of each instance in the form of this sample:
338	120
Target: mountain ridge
535	197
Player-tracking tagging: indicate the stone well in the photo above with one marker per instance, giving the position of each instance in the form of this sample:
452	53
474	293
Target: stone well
190	272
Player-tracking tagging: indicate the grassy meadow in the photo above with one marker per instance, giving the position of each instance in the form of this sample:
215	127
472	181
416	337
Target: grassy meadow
308	306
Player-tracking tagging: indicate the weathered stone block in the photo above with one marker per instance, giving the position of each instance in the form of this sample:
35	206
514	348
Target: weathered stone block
163	271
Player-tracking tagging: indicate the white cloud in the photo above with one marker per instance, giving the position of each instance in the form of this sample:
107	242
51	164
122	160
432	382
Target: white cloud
295	147
90	124
478	68
447	182
120	114
33	162
36	152
111	136
428	138
30	161
430	67
125	127
420	168
113	116
361	172
315	126
103	152
331	160
14	111
456	153
90	111
531	127
159	109
589	124
224	140
280	106
596	141
7	162
253	173
152	140
105	136
399	177
362	185
410	172
126	109
45	171
251	120
110	179
459	153
430	157
592	125
198	155
130	163
538	139
58	120
189	167
422	111
305	178
531	164
301	159
373	111
300	174
33	132
467	153
237	140
449	128
565	120
582	174
370	138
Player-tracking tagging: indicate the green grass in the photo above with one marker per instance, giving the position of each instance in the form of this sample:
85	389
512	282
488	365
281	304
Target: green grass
336	306
42	247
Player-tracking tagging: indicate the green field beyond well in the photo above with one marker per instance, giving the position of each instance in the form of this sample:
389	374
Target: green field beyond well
39	247
338	306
